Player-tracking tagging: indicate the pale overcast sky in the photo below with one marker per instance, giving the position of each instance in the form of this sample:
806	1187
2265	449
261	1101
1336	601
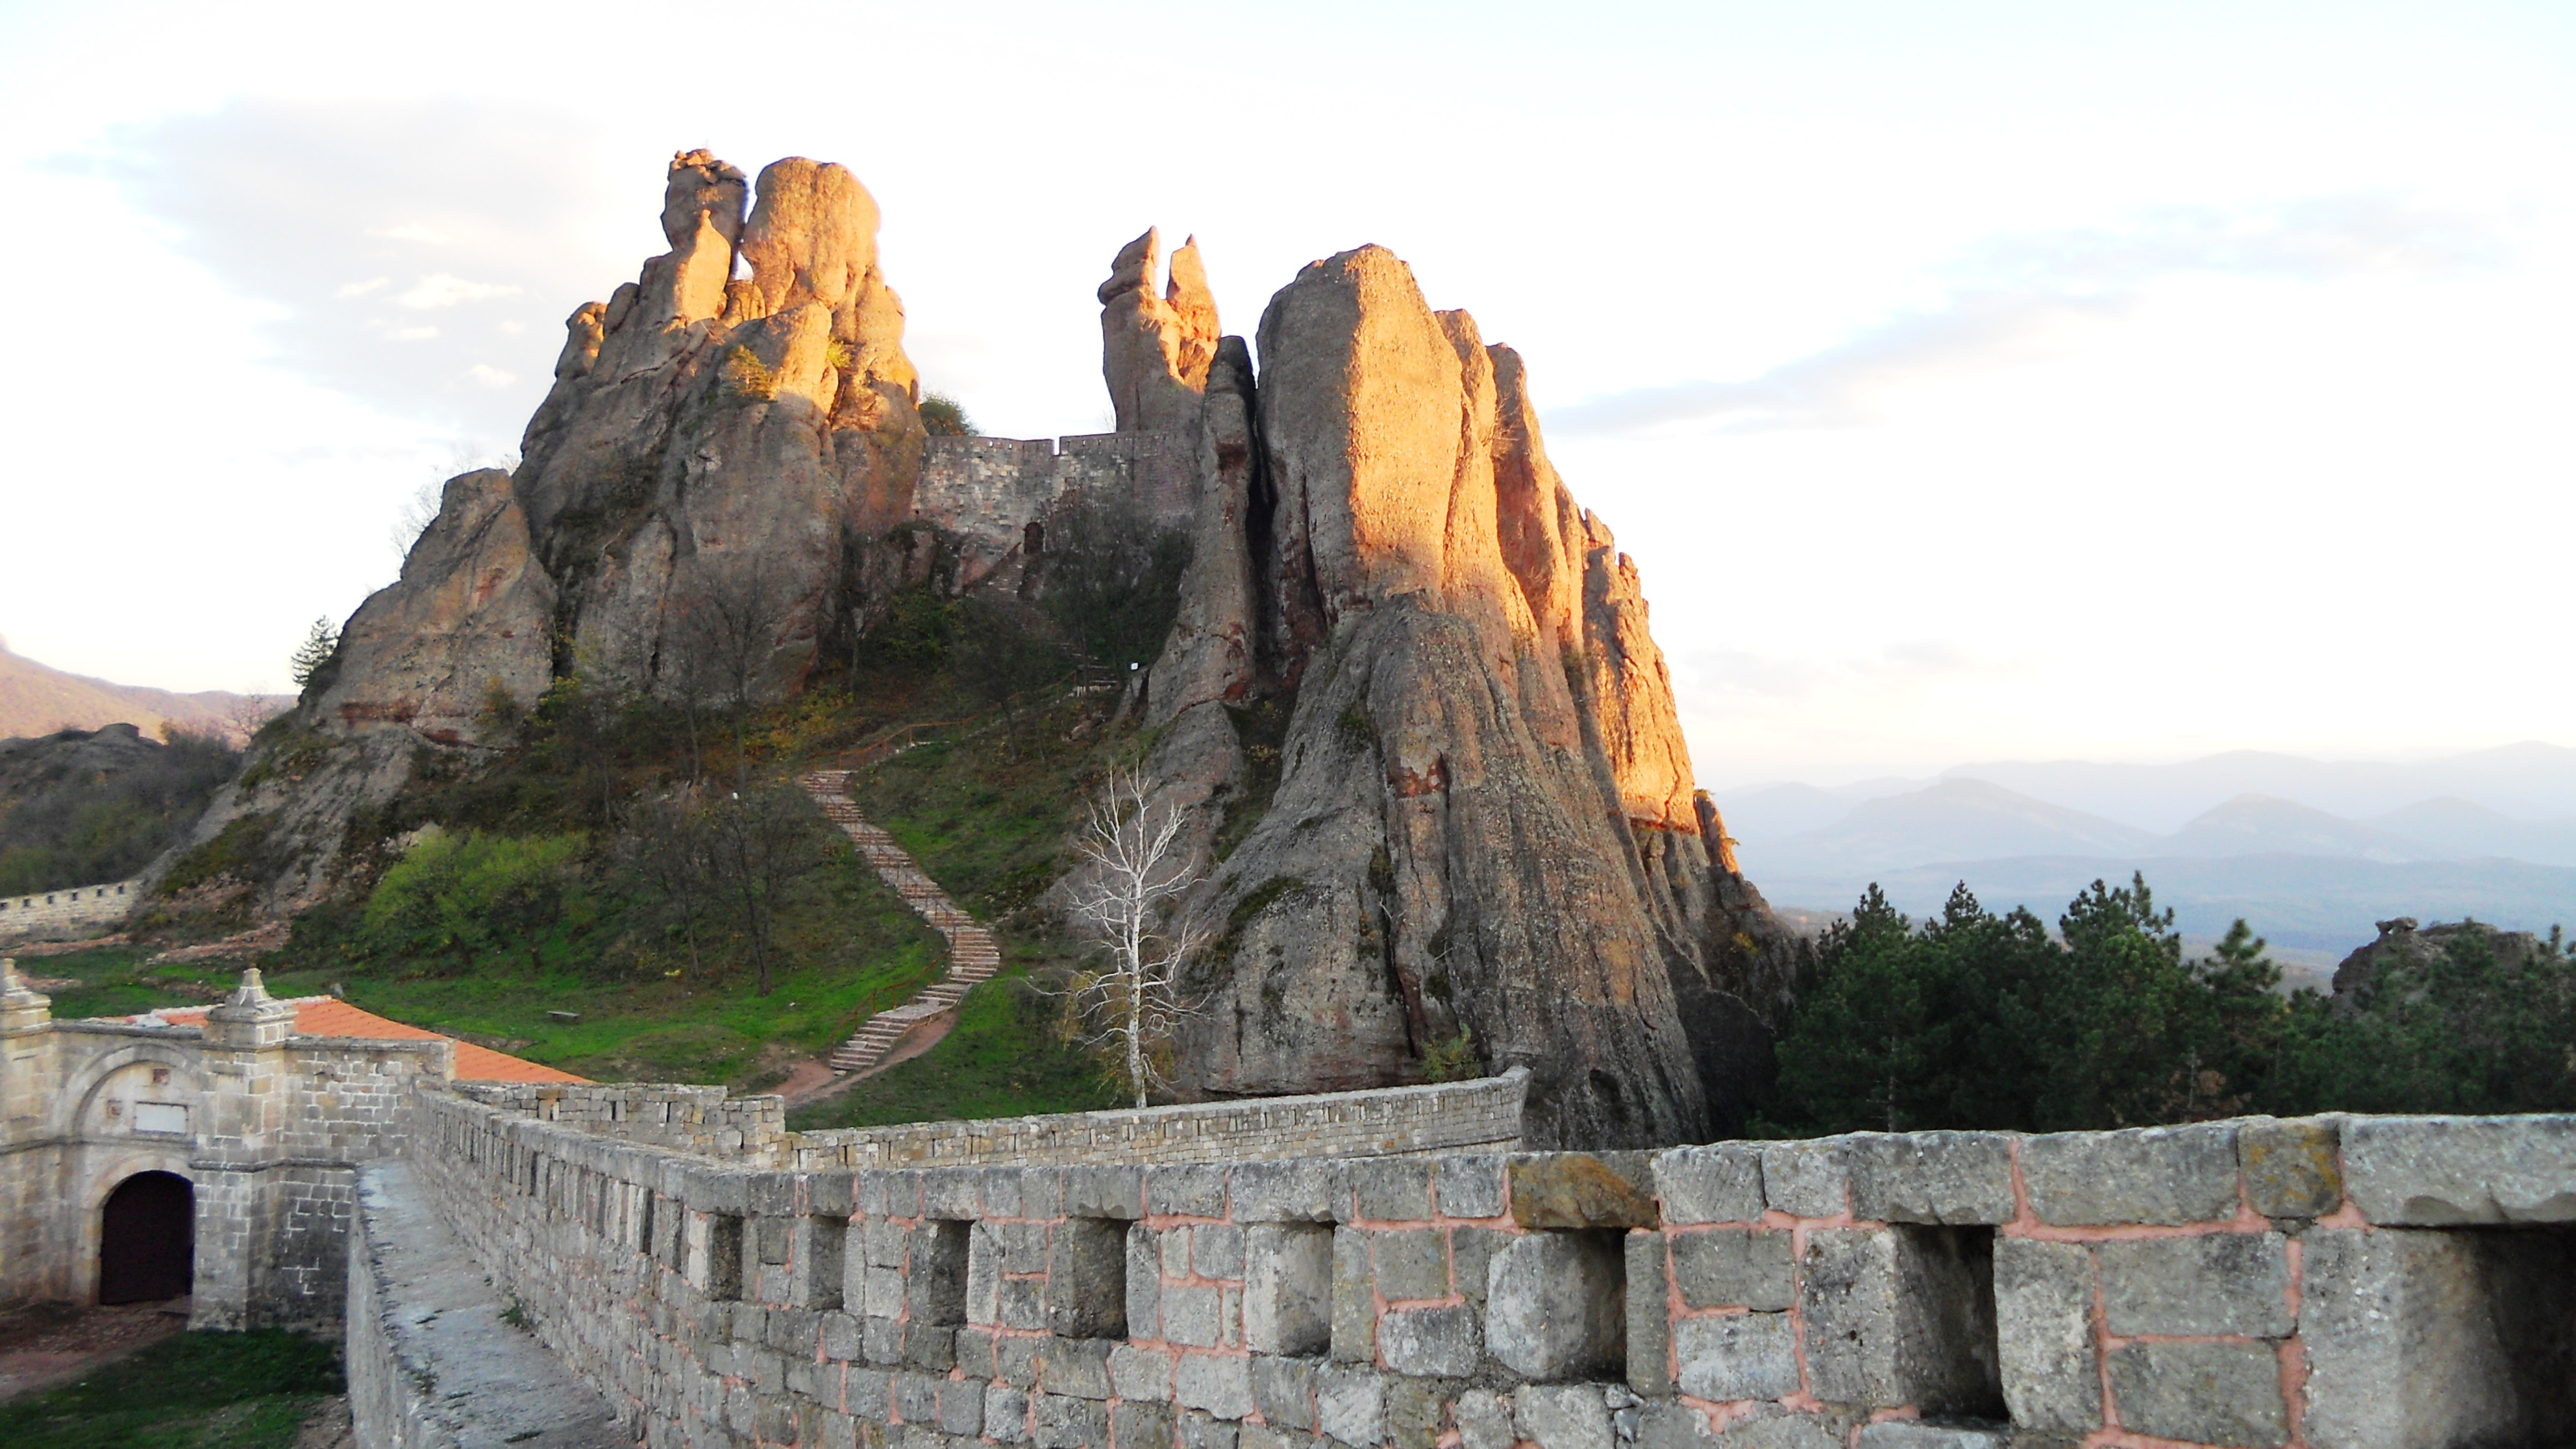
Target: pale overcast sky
1969	380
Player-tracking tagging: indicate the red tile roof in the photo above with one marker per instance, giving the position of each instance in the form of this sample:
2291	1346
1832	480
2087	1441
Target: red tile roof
330	1016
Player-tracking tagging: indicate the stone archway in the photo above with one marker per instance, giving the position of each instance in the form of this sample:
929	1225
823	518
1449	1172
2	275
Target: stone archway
147	1241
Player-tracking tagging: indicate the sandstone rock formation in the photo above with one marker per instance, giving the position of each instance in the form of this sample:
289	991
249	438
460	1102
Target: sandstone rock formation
1156	351
1483	826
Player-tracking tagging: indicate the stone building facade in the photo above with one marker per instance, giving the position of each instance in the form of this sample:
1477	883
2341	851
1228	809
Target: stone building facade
264	1120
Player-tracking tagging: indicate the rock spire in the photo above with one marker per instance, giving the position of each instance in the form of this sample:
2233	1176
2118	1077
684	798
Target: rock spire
1156	350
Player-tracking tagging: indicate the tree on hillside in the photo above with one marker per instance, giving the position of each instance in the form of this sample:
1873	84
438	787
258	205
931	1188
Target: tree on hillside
1112	579
1001	659
942	416
730	619
763	840
1133	870
311	663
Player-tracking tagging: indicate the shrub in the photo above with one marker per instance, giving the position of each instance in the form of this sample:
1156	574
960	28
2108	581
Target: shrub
471	892
749	379
942	417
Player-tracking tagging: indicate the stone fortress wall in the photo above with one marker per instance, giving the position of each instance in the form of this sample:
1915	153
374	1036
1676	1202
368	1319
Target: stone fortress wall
267	1127
2329	1282
987	491
66	914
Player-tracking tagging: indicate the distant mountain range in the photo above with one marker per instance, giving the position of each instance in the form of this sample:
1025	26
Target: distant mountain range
38	700
2312	853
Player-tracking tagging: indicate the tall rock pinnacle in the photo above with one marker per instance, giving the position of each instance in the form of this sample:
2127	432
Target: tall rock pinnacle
1156	350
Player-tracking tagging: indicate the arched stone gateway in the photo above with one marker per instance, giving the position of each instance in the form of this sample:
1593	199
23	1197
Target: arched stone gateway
147	1240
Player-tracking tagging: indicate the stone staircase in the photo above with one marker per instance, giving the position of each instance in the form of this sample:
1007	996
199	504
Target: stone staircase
973	955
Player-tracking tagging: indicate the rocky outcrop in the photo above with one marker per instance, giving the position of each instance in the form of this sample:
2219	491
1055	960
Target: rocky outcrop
1483	828
467	622
1156	350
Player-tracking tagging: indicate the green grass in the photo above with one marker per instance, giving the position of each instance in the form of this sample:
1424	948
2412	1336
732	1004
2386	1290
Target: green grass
1002	1059
115	982
191	1391
850	948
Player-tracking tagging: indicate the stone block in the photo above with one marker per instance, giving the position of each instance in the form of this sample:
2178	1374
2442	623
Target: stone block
1006	1414
1191	1192
1221	1384
1201	1431
1484	1420
1078	1367
1086	1283
1899	1316
1566	1416
1554	1305
869	1394
1023	1303
961	1407
1140	1373
1261	1436
1775	1428
1471	1256
1721	1183
1015	1361
1430	1342
1737	1356
1392	1189
881	1340
1141	1425
954	1193
975	1354
841	1337
1947	1178
1470	1187
2044	1332
1283	1192
1916	1434
1216	1250
935	1288
1350	1405
1354	1328
1416	1412
2164	1175
1734	1268
1064	1423
1190	1315
1410	1263
998	1188
1806	1179
1144	1285
1562	1190
2445	1171
2291	1168
2207	1393
1041	1192
1288	1288
2422	1337
2202	1286
930	1346
1649	1330
1672	1426
1284	1390
916	1398
1094	1190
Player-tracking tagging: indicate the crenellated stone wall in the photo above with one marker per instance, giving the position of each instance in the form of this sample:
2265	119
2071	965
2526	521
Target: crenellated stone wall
2327	1282
66	914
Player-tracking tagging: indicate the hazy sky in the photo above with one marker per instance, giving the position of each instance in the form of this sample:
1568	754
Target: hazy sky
1969	381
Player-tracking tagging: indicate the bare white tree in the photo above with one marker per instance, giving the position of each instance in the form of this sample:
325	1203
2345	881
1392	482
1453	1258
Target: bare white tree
1135	868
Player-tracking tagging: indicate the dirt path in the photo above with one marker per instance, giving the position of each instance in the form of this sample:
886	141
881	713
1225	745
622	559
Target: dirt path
813	1080
54	1343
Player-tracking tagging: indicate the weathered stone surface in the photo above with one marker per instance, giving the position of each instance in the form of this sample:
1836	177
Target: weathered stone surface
1895	1317
1931	1177
1553	1306
2164	1175
1156	350
1808	1179
1649	1315
1287	1290
1915	1434
2439	1171
1732	1269
471	618
1721	1183
1569	1416
2292	1169
1484	1420
1350	1405
1583	1190
1737	1356
2205	1393
1221	1384
2044	1331
1430	1342
2215	1283
2421	1337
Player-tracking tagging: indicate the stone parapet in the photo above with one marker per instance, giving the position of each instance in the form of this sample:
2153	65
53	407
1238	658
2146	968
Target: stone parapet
2255	1282
67	914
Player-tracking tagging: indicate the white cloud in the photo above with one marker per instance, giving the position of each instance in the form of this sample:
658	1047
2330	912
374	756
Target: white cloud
490	376
421	234
412	334
360	289
2023	297
439	289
